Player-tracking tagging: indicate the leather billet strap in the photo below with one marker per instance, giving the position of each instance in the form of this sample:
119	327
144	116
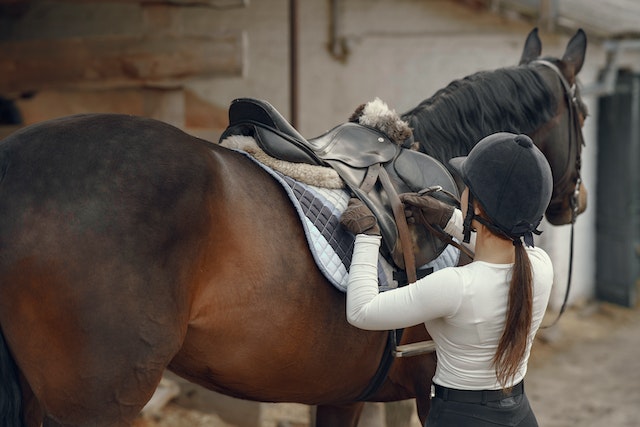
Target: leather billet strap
401	223
437	231
370	178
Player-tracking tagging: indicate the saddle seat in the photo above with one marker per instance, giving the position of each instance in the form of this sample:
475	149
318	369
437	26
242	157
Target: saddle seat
356	145
364	158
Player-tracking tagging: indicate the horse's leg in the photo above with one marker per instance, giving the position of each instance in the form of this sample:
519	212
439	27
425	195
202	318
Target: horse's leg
417	366
88	380
338	415
102	348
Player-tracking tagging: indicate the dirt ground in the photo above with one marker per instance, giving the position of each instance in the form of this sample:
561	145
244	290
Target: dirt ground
585	371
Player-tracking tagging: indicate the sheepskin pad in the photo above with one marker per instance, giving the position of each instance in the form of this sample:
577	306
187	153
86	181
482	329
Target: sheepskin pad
319	176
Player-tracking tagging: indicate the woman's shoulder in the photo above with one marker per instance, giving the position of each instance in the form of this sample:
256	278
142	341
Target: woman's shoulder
541	263
538	254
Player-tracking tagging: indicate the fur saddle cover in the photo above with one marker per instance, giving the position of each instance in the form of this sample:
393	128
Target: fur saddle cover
350	155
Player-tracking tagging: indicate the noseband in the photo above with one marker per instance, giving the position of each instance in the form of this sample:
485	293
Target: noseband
575	140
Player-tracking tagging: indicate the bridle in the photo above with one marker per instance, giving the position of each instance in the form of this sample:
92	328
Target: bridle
576	141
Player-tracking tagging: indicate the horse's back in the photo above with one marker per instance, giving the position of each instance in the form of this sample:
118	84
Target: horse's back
100	219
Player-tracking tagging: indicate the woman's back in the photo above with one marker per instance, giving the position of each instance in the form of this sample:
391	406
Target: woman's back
467	339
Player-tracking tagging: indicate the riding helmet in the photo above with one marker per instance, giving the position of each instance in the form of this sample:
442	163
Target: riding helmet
512	181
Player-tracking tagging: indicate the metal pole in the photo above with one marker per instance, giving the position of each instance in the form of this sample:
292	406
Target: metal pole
293	61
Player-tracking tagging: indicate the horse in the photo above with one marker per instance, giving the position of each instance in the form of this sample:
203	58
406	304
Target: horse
128	247
456	117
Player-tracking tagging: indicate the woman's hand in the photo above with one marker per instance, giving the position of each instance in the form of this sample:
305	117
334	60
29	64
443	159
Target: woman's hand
433	210
359	219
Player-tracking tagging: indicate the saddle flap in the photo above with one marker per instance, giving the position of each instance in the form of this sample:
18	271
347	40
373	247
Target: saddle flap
409	171
419	171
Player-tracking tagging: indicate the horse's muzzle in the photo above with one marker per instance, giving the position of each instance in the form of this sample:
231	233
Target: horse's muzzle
563	212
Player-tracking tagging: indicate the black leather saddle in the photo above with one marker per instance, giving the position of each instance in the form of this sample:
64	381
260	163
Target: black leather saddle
374	168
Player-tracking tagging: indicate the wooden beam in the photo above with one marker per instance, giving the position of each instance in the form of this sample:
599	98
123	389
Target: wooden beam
118	61
215	4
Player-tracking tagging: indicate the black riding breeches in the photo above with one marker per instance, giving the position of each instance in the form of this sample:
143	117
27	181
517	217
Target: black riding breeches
512	411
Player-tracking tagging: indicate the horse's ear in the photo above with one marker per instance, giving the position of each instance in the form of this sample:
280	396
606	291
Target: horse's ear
574	55
532	47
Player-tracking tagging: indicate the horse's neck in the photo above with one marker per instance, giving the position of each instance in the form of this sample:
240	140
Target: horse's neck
505	98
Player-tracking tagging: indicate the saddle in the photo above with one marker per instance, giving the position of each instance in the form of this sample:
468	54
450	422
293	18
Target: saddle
375	168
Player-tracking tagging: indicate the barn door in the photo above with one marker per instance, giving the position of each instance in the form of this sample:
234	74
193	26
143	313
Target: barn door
618	193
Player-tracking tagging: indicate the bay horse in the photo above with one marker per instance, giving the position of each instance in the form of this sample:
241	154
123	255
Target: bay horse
128	247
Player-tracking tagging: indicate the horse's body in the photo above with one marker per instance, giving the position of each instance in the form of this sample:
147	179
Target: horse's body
128	247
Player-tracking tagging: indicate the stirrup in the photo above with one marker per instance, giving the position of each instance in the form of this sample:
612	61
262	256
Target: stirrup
414	349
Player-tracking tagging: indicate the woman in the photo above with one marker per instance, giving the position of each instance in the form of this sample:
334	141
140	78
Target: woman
482	316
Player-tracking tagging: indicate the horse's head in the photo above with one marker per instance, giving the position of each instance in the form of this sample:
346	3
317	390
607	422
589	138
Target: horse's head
561	139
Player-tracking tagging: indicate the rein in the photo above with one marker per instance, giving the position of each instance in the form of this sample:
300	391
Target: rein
571	98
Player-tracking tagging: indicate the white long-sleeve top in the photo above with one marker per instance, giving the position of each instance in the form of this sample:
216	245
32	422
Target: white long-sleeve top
463	309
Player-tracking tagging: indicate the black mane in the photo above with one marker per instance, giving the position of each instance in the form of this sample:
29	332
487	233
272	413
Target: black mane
451	122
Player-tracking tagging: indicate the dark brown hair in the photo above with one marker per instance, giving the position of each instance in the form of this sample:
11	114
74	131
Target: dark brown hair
513	342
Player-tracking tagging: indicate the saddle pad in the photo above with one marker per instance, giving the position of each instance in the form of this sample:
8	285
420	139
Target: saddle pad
331	245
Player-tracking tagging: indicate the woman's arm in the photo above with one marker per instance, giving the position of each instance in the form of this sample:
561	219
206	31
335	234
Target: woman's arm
436	295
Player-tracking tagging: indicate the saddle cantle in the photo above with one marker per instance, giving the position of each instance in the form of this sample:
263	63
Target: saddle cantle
375	168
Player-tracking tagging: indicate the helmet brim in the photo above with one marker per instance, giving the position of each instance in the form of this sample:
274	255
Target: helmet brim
458	165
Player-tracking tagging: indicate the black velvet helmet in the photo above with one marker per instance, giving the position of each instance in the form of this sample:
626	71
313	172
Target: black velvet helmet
512	181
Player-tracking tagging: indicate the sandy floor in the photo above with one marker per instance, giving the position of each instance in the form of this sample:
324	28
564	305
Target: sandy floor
583	372
588	373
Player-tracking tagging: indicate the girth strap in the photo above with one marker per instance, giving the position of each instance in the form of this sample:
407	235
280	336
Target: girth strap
383	368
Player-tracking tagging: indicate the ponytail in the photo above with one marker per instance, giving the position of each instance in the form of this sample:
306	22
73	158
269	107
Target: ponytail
513	343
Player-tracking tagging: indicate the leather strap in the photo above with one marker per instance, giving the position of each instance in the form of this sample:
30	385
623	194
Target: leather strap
383	368
401	223
445	237
437	230
370	178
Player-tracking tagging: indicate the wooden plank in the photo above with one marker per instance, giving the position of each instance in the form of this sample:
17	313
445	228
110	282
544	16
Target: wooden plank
216	4
118	61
